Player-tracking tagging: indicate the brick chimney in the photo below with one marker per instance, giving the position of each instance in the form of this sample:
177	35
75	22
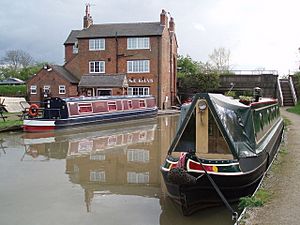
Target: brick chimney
172	25
87	19
163	18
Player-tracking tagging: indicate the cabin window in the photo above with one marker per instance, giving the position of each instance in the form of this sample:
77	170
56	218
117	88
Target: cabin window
112	141
85	107
129	138
142	104
112	106
216	141
129	104
263	120
33	89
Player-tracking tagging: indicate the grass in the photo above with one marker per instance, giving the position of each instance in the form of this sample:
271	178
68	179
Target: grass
261	197
11	121
295	109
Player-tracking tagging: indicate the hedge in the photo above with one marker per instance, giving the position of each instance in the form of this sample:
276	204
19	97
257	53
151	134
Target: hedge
13	90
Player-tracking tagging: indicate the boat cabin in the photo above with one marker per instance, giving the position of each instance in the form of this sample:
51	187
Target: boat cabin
57	108
217	127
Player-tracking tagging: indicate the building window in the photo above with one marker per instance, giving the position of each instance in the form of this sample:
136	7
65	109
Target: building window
97	176
62	89
138	66
96	44
138	91
138	43
138	155
97	67
33	89
75	48
138	178
46	89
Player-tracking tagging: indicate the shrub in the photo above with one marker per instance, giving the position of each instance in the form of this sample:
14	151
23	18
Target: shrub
13	90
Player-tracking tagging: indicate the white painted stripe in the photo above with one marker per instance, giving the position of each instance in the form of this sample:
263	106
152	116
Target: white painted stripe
39	123
205	164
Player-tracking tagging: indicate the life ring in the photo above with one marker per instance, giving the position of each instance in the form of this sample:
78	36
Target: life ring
33	110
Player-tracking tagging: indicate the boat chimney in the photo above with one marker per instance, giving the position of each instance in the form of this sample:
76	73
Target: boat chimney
257	93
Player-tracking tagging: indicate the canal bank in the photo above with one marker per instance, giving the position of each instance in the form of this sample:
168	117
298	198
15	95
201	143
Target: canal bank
282	182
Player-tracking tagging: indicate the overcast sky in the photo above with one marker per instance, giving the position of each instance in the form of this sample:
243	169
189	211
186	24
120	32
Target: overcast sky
258	33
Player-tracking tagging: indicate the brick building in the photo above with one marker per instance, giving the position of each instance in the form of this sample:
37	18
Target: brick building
115	59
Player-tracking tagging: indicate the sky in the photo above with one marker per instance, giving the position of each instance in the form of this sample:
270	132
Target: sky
260	34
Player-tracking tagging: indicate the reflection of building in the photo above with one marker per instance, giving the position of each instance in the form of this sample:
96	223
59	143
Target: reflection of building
123	161
117	163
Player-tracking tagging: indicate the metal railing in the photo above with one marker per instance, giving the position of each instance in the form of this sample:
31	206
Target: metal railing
280	92
293	90
254	72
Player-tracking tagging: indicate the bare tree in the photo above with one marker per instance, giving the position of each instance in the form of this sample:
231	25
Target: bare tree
17	59
219	59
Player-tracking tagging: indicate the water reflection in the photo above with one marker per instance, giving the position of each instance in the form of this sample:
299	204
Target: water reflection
117	170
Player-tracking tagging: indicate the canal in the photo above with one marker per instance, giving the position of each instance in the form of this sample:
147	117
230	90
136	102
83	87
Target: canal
92	175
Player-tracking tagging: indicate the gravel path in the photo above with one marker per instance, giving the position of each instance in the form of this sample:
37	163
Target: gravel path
284	183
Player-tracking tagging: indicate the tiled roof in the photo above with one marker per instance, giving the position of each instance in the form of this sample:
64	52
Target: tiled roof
12	80
117	29
65	73
113	80
72	38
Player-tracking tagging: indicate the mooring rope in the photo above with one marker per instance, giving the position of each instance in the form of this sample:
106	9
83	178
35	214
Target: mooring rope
234	214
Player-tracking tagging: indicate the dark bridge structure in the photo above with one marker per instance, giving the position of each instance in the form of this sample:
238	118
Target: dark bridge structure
246	80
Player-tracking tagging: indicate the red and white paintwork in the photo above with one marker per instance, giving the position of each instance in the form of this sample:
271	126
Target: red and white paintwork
38	125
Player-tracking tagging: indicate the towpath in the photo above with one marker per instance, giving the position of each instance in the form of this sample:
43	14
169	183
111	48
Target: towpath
283	182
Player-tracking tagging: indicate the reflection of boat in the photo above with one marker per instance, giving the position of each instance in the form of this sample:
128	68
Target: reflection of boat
88	140
59	113
225	146
118	139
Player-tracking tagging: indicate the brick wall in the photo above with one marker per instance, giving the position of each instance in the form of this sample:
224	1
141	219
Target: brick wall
53	79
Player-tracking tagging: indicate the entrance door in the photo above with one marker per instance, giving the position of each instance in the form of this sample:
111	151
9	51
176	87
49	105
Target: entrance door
103	92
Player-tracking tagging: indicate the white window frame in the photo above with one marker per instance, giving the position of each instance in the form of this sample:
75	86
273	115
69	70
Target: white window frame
138	91
75	48
47	87
62	89
93	68
97	44
138	66
138	43
97	176
33	89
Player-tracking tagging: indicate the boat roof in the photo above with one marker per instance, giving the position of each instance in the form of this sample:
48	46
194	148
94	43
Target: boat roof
84	98
234	119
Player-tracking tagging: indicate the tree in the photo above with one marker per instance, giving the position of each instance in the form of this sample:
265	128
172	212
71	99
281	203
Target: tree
18	64
219	60
186	66
196	76
17	59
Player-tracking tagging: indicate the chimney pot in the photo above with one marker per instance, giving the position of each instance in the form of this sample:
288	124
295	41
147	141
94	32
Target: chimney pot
87	19
172	24
163	18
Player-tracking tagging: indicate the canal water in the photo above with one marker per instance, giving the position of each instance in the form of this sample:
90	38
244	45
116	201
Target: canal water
92	175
